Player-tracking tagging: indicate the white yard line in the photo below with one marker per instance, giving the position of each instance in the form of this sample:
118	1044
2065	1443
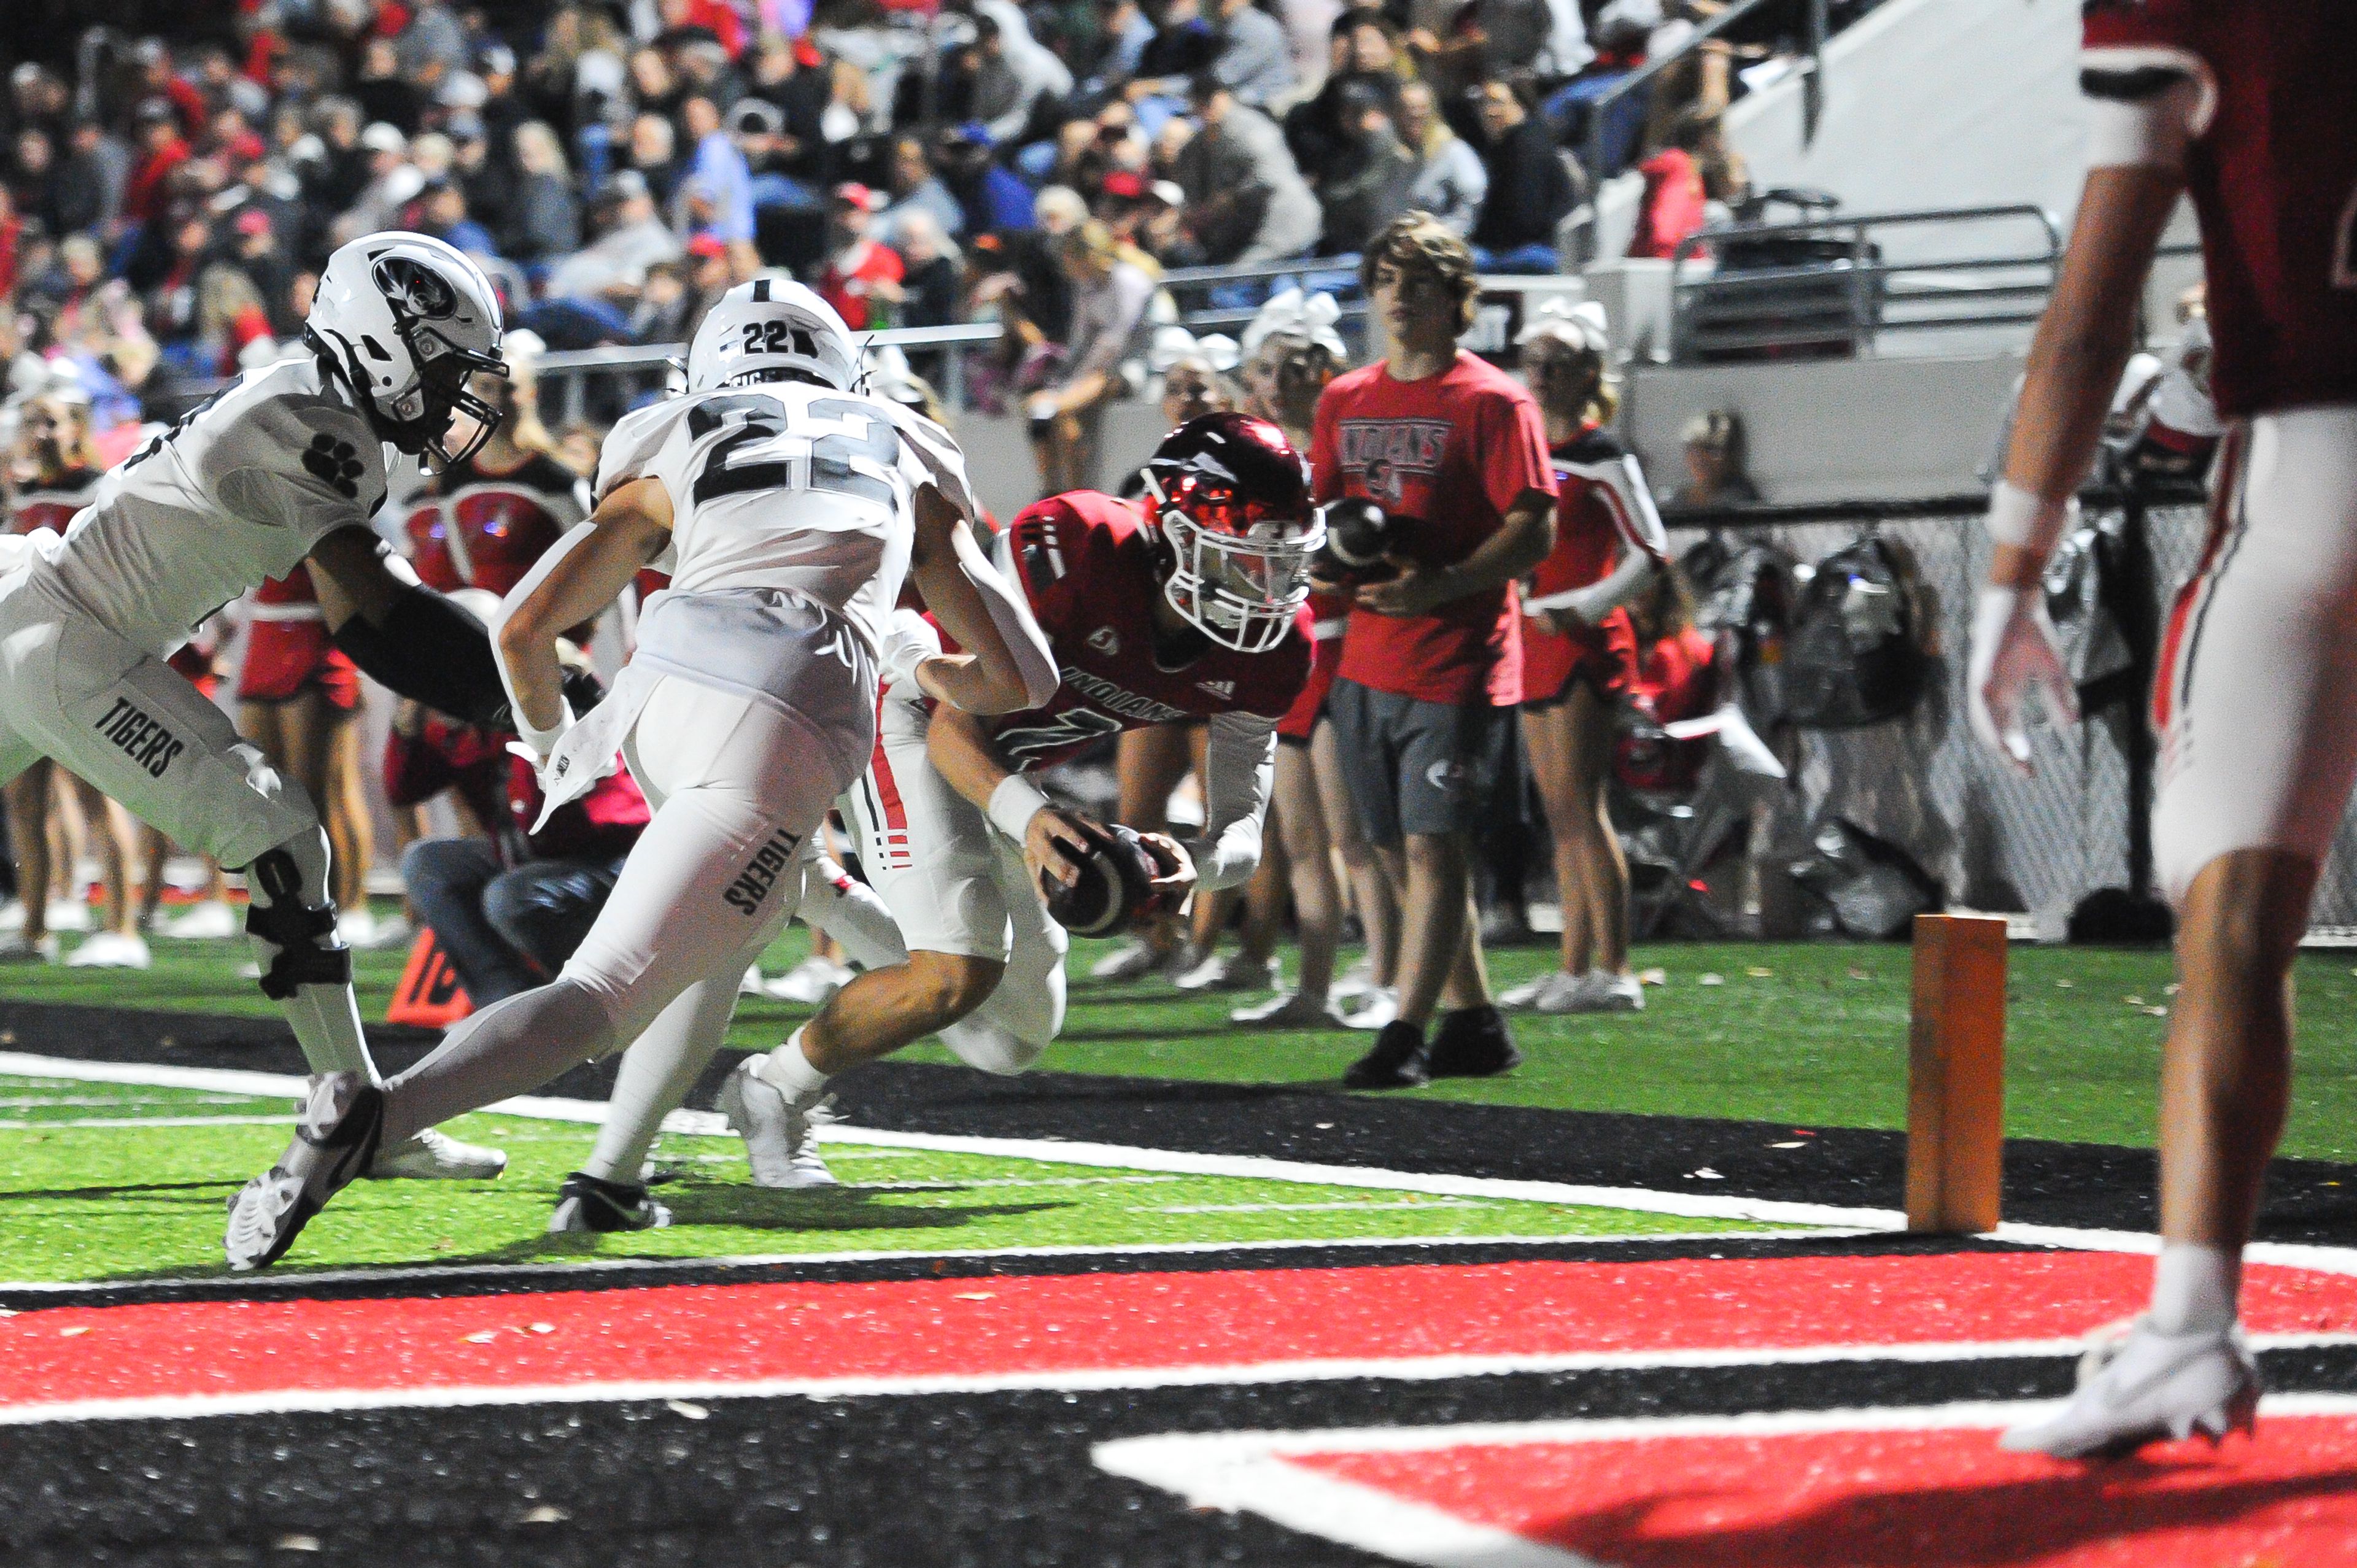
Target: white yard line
117	1121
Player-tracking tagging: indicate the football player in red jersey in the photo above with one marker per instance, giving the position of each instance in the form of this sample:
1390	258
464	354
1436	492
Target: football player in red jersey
2245	106
1580	655
1432	662
1183	605
55	473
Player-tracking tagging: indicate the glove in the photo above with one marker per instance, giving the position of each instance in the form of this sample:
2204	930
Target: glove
909	640
2015	652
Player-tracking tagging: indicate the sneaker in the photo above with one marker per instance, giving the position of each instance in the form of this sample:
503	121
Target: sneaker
1353	983
1230	972
70	915
436	1156
1471	1042
1530	991
1291	1010
1395	1061
2137	1386
750	983
356	928
777	1130
393	931
811	981
1382	1006
110	950
208	922
1597	992
334	1139
590	1203
16	949
1133	959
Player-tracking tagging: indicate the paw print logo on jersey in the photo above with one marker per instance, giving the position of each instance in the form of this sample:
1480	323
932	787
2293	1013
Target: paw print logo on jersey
337	461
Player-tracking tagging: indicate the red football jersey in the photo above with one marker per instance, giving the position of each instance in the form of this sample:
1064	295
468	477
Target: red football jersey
52	503
1086	563
2273	174
1449	454
484	529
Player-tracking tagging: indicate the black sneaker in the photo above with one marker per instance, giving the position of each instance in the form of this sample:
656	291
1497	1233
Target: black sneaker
591	1203
1396	1060
1471	1042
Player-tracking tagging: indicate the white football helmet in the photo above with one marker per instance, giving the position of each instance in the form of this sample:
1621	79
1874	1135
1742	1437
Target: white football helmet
765	330
406	320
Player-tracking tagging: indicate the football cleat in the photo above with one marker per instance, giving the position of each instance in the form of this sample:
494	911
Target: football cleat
1291	1010
1133	959
1230	972
208	922
1597	992
436	1156
334	1139
2138	1385
1532	993
1471	1042
778	1131
588	1203
110	950
1396	1060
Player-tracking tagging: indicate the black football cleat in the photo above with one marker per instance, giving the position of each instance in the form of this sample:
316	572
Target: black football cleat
592	1203
1472	1042
1395	1061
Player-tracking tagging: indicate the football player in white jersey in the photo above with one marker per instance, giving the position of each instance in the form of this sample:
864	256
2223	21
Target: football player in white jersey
787	508
286	464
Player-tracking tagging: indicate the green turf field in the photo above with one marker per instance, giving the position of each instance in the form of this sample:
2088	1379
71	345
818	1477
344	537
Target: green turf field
101	1181
1808	1034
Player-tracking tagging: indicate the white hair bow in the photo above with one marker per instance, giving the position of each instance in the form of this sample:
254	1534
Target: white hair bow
1287	311
1172	344
1583	325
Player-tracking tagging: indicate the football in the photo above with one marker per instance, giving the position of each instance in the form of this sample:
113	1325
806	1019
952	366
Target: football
1113	891
1359	535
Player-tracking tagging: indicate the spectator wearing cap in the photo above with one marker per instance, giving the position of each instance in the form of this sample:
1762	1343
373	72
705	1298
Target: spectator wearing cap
1450	179
1245	200
719	167
340	168
862	275
161	151
1255	59
545	218
916	188
382	92
992	200
1530	190
1718	462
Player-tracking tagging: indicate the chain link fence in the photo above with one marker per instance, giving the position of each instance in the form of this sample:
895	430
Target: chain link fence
1991	838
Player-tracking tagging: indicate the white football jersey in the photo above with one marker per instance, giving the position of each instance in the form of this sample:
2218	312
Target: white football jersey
790	486
243	489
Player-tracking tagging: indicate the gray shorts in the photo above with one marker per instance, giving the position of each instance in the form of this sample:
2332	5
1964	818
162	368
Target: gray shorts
1417	767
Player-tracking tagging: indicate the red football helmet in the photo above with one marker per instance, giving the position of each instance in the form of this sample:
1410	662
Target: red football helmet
1231	499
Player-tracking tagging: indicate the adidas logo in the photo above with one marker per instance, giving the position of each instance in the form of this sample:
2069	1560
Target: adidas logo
1105	640
1223	689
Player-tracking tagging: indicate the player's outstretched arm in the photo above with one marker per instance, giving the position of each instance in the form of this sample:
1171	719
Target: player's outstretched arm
581	574
1009	666
968	760
404	634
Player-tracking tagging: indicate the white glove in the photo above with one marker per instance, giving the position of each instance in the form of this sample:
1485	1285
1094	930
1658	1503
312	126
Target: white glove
909	640
2015	652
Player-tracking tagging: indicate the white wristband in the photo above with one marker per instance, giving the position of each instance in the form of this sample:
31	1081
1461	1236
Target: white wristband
1013	805
2027	521
544	741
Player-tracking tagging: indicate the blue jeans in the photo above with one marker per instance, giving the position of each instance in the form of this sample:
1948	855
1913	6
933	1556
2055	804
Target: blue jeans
505	931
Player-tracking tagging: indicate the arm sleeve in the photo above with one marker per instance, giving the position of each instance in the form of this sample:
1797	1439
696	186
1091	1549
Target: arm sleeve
1239	768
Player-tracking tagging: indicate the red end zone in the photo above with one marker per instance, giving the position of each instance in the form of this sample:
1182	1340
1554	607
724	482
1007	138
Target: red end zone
1897	1488
1146	1327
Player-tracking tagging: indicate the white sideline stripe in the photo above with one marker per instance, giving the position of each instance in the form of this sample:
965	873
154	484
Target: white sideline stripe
87	1122
1422	1369
297	1282
1247	1472
708	1123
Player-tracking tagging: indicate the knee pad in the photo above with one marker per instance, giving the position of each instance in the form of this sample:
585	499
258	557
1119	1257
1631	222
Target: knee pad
289	910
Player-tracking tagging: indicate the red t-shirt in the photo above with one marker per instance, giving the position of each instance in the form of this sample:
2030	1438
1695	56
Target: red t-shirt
2272	176
1449	454
1672	206
1088	566
847	287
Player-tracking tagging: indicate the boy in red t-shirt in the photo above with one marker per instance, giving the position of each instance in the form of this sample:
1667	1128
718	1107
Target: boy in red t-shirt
1432	664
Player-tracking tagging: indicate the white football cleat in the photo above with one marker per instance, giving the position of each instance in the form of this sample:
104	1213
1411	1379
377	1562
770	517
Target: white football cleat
1382	1007
334	1139
432	1155
590	1205
777	1130
1535	994
208	922
750	984
1291	1010
1230	972
811	981
110	950
1596	992
2137	1386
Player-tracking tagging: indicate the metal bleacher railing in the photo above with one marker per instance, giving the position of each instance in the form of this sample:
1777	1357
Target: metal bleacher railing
1822	287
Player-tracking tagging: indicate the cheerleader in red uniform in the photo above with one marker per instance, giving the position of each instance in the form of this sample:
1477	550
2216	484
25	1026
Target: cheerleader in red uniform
54	472
1580	655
